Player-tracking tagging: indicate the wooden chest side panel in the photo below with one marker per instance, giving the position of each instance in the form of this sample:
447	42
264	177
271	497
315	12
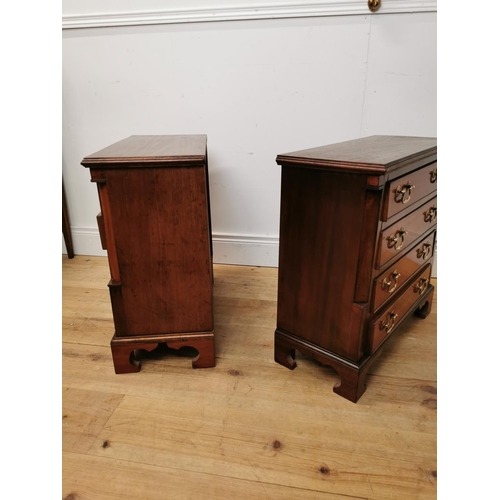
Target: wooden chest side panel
320	231
369	234
161	229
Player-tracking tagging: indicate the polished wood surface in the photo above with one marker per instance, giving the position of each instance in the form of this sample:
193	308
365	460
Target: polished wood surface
162	237
102	231
147	150
125	350
398	274
316	266
392	242
248	428
381	325
375	154
423	182
155	225
335	245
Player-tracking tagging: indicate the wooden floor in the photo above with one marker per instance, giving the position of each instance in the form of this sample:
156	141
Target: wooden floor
248	428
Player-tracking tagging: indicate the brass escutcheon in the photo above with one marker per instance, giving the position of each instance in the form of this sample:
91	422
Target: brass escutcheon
386	284
374	5
403	194
397	239
425	251
434	175
431	214
389	323
421	285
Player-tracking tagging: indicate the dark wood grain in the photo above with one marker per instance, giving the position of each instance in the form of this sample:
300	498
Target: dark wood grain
102	231
317	265
352	385
66	227
162	238
151	150
421	179
414	224
382	324
369	155
125	350
156	227
114	267
334	252
398	274
369	234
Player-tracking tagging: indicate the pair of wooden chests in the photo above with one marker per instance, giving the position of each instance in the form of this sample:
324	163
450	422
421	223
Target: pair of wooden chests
357	237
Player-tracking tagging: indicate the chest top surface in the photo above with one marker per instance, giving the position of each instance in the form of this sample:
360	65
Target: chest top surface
151	150
376	154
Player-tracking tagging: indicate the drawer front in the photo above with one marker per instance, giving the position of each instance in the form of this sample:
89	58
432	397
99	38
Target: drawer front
391	281
396	238
390	318
410	189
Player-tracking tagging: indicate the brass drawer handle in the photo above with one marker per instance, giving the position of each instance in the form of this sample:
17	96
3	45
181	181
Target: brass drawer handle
434	175
403	194
425	251
397	239
421	286
431	214
390	323
386	284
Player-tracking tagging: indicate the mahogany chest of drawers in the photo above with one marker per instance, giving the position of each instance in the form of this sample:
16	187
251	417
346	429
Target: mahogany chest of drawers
357	235
155	225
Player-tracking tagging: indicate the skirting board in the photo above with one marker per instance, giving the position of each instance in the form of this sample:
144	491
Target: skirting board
259	251
246	250
86	241
242	250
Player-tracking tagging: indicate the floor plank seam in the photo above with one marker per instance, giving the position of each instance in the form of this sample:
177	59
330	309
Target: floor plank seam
163	467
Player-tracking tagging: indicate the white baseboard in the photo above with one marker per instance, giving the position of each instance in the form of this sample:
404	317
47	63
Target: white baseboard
240	12
243	250
259	251
86	241
228	249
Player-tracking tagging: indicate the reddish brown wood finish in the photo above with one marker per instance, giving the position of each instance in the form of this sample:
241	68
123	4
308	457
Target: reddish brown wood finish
151	150
390	317
155	224
124	350
102	232
353	375
331	238
368	244
66	228
397	275
425	307
377	154
417	185
396	238
108	225
317	266
163	247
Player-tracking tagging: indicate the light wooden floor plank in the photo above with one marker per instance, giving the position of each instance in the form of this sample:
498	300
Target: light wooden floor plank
248	428
97	478
84	415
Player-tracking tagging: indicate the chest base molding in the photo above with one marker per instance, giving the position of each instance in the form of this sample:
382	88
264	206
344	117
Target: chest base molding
124	350
352	375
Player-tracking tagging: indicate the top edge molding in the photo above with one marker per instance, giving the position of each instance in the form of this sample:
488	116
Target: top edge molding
242	13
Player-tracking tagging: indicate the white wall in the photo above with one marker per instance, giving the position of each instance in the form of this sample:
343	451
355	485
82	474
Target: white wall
92	13
257	88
